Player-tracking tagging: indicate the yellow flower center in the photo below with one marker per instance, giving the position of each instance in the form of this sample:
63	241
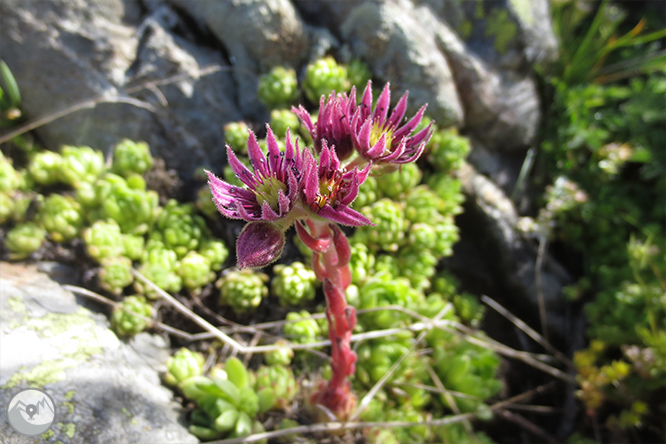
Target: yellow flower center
376	133
267	191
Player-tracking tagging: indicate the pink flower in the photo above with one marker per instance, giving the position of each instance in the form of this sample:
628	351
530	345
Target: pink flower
328	190
377	136
333	123
272	189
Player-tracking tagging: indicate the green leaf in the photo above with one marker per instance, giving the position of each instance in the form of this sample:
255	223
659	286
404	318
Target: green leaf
237	373
243	425
227	420
204	432
193	387
228	391
10	84
266	399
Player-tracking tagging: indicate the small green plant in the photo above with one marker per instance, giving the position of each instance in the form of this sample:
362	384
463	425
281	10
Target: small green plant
243	290
278	88
124	322
293	284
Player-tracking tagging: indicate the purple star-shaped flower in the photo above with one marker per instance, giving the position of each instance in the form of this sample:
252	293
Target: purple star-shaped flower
272	189
328	190
377	136
333	123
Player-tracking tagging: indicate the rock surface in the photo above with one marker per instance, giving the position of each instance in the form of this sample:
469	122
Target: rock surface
195	65
66	53
105	390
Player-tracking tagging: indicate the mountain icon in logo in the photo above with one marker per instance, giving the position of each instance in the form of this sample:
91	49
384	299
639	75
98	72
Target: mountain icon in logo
31	412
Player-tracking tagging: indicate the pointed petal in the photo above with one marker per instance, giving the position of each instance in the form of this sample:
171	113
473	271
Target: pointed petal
399	112
273	151
365	107
383	104
422	136
245	175
284	203
311	178
267	212
305	118
407	128
378	148
256	156
344	215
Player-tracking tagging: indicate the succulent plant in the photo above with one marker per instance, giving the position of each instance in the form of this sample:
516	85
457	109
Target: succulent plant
449	191
418	265
133	246
115	274
61	217
278	88
236	135
423	205
324	76
127	324
281	381
283	120
385	290
447	150
215	251
227	404
79	165
103	239
6	207
44	167
358	73
301	328
361	263
24	239
195	271
9	178
125	201
184	364
390	225
131	158
282	356
293	284
243	290
179	228
469	369
399	182
159	265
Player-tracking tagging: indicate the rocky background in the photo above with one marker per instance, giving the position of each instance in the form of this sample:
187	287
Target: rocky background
173	72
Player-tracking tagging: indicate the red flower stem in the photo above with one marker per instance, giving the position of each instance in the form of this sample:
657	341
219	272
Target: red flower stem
332	268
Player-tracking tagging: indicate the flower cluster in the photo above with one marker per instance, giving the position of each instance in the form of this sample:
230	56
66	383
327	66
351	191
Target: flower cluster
318	183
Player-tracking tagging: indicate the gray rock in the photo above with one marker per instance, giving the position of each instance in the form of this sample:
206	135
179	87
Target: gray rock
68	52
391	38
502	106
511	265
104	390
257	35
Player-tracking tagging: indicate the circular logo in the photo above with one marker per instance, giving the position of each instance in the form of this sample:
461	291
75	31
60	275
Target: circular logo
31	412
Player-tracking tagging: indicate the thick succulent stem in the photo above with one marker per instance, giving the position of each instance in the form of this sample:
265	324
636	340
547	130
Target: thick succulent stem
330	259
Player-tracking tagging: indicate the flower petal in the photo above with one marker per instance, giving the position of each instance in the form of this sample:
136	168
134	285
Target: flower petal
344	215
244	174
256	156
